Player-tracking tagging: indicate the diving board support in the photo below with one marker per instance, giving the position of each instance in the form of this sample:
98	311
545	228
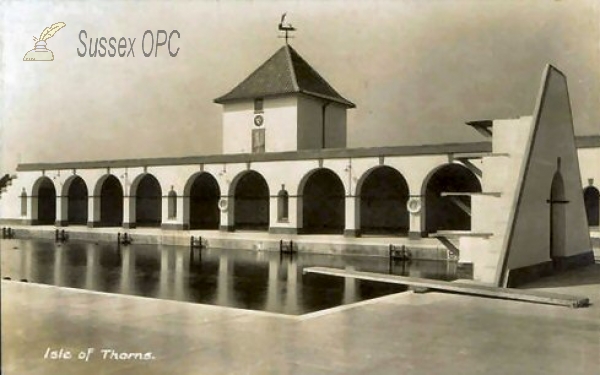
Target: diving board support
452	248
470	166
459	287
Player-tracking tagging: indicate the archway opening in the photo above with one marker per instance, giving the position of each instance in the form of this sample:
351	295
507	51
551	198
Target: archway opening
449	212
591	197
111	203
77	202
383	197
251	200
204	203
558	216
46	202
148	202
323	206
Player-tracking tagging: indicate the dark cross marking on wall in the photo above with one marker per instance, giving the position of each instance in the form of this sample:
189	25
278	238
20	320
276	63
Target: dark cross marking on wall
381	160
201	167
320	163
247	165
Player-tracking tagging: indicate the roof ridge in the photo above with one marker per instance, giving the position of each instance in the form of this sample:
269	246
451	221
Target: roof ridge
288	54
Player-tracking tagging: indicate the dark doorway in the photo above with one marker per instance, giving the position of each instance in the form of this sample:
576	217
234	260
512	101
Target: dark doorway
46	201
591	197
558	216
449	212
204	203
148	202
383	198
77	206
251	200
111	203
323	206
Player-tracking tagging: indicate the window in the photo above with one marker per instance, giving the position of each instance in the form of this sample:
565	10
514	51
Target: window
23	203
258	105
258	140
172	204
282	205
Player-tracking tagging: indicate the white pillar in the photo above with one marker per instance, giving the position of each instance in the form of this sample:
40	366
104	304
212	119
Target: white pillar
416	209
128	212
62	204
351	228
93	211
227	213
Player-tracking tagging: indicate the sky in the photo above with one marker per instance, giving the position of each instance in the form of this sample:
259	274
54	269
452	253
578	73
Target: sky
417	70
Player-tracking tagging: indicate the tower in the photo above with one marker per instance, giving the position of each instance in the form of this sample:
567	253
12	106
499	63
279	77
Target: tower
284	105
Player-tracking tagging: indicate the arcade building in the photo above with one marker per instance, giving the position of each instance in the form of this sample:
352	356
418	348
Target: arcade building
520	202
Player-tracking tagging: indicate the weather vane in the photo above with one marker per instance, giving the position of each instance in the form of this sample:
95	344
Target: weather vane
286	28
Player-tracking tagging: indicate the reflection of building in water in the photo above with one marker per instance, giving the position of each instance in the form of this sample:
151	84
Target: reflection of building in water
286	170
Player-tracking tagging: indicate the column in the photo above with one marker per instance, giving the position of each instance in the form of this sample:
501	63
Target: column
226	207
93	211
417	216
128	212
352	226
62	218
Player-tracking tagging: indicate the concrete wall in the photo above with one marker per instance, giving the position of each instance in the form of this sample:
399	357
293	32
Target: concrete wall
280	119
551	139
310	123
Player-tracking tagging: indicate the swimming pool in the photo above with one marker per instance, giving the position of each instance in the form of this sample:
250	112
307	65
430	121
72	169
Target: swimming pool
265	281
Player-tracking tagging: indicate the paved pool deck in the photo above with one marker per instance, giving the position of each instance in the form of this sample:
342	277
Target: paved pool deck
407	333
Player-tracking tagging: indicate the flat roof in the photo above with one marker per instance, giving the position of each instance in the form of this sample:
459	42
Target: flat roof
335	153
587	141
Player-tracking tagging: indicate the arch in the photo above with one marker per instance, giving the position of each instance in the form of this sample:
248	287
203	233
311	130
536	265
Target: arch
383	193
148	201
250	201
203	195
558	216
45	202
76	192
591	197
172	204
110	192
449	213
323	202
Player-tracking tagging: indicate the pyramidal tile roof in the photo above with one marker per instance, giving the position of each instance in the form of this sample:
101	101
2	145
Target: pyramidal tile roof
285	72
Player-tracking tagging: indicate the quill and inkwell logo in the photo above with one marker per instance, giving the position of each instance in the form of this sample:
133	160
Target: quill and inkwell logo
40	52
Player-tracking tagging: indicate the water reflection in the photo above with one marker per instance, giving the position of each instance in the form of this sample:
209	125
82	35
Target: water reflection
237	278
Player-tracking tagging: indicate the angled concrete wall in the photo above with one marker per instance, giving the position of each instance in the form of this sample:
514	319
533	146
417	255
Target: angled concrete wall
539	240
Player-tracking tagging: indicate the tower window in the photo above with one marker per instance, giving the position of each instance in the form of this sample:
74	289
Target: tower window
258	105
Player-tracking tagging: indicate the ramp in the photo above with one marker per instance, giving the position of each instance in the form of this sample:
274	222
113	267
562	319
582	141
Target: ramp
459	287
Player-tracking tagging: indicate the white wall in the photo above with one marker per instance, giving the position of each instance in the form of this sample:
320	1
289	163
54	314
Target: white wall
280	119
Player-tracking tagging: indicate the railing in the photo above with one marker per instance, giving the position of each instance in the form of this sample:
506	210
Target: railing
8	233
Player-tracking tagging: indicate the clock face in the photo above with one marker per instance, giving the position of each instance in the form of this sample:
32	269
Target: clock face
258	120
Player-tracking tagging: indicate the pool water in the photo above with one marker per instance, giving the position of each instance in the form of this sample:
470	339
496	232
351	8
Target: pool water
265	281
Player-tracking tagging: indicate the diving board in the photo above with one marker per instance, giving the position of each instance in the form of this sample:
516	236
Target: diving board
459	287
